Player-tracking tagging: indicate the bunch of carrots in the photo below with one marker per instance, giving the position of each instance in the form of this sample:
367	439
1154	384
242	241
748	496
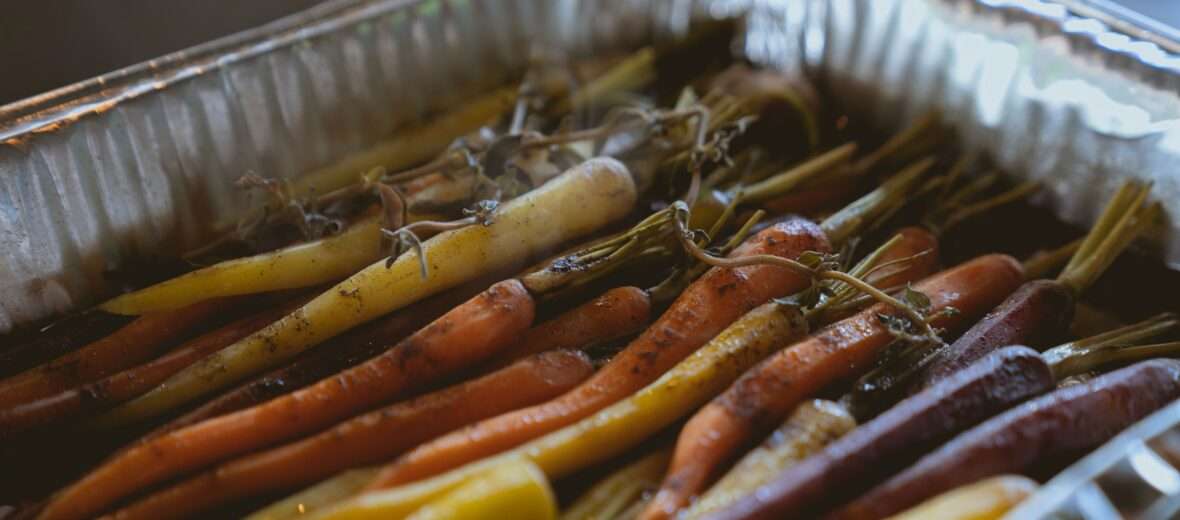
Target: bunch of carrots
672	268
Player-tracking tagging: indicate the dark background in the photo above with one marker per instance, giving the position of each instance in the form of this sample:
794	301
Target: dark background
49	44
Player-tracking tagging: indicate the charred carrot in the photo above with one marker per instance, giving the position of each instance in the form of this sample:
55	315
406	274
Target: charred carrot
616	313
466	335
762	396
335	355
134	343
897	437
93	397
706	307
1040	311
1052	428
370	438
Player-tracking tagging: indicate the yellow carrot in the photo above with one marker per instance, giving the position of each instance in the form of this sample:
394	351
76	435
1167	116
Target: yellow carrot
617	427
611	496
578	202
984	500
811	427
316	497
516	489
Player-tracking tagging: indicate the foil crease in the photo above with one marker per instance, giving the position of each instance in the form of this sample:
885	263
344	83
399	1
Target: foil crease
142	161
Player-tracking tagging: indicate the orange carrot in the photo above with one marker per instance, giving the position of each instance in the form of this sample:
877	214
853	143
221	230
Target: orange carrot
333	356
707	306
616	313
134	343
466	335
370	438
764	395
134	381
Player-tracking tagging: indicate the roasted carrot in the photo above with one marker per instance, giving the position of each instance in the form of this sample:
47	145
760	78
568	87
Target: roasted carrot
611	495
464	336
616	313
1053	428
897	437
813	425
93	397
811	200
516	489
134	343
618	427
30	347
762	396
335	355
370	438
576	203
1041	310
984	500
706	307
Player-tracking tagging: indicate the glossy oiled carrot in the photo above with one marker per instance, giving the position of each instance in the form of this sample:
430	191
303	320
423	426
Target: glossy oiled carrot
464	336
370	438
764	395
101	394
899	436
336	355
706	307
616	313
1051	429
133	343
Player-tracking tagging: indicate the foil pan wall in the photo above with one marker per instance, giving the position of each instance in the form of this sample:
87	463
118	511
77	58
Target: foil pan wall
143	160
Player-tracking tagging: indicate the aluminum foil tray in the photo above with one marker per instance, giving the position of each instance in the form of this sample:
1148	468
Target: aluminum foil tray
142	161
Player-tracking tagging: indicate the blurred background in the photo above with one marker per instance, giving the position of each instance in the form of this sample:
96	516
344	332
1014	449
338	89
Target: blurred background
45	45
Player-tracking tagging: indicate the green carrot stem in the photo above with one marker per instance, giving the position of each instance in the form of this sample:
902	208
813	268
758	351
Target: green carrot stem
796	176
899	142
1041	264
1133	219
973	209
1086	354
1110	215
893	193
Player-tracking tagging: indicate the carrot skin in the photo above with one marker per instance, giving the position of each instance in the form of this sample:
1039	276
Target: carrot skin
28	348
119	387
899	436
707	306
1037	314
758	401
135	342
616	313
132	343
335	355
369	438
464	336
1058	426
